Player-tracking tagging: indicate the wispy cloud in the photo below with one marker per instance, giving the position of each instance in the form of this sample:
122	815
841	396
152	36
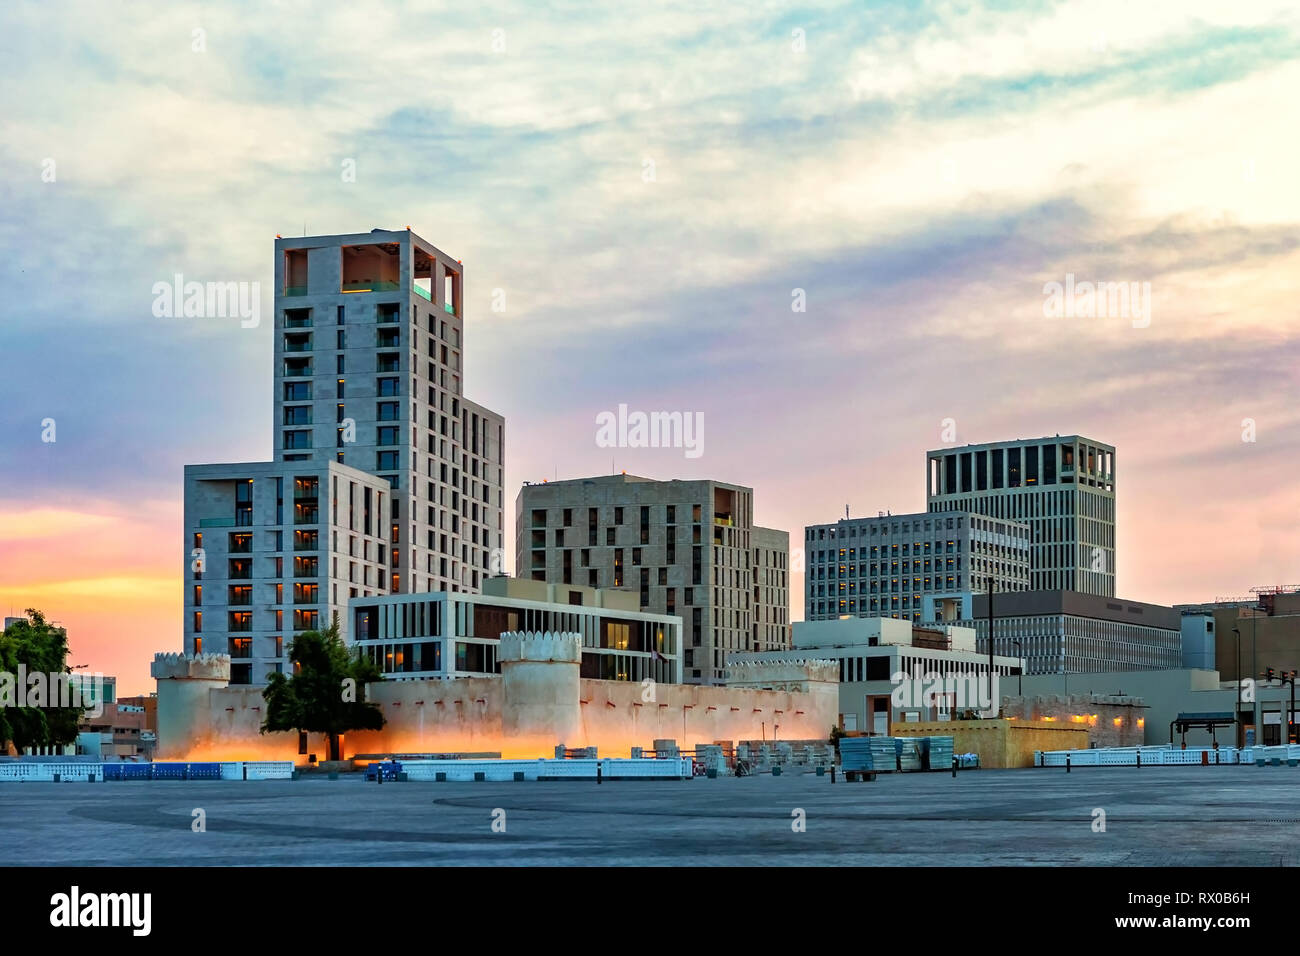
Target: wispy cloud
648	185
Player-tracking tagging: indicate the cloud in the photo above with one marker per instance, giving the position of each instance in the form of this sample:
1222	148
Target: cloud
919	171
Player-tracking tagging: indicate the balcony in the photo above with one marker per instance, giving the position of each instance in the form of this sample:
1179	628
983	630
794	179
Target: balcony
216	522
298	369
297	346
367	286
306	516
294	290
447	307
307	544
297	322
724	520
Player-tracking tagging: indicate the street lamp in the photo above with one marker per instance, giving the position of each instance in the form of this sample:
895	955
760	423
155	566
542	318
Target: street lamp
1241	738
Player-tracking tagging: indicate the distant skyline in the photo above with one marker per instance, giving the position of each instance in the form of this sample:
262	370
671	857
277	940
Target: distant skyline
649	192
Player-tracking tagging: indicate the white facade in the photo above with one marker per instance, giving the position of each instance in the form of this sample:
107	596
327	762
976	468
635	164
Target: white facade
871	653
1063	487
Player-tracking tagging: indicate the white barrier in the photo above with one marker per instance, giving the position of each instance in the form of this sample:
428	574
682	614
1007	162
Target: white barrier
1151	756
544	768
267	770
45	772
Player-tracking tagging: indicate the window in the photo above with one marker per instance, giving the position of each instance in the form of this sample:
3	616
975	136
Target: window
387	435
387	386
297	439
297	415
387	411
386	460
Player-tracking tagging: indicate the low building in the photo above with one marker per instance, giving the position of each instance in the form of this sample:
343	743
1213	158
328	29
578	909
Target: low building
1074	633
1112	720
119	730
445	635
945	675
1262	629
1200	697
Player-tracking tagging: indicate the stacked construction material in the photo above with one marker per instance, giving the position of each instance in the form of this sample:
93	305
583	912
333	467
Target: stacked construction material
868	754
909	753
937	752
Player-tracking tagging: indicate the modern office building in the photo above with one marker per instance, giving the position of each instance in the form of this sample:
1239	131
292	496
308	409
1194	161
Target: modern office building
687	548
276	548
914	567
1065	632
384	477
872	652
370	372
444	635
1063	487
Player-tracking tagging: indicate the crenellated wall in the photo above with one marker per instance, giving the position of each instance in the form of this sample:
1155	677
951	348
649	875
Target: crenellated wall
538	701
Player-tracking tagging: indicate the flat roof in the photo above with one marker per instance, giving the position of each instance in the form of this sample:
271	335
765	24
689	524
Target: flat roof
1075	603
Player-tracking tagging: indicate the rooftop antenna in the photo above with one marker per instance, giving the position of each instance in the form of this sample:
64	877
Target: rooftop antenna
846	511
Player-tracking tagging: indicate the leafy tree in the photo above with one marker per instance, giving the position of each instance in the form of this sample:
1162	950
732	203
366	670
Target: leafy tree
326	693
40	648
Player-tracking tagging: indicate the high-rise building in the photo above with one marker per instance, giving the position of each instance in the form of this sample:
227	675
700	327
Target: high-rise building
689	548
384	479
1062	487
915	567
369	371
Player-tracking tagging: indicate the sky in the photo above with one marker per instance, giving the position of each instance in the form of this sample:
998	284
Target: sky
826	228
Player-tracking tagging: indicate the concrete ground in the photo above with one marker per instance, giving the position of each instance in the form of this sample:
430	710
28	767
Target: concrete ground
1157	816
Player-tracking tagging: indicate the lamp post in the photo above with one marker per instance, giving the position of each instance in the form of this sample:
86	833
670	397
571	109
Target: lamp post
993	704
1241	739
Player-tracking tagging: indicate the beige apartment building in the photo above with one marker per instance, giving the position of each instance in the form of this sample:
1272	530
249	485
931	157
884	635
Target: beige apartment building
687	548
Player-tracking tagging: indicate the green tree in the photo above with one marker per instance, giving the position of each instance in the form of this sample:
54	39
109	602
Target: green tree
41	648
326	693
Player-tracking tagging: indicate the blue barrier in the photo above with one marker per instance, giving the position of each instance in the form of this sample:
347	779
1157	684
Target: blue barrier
389	768
205	771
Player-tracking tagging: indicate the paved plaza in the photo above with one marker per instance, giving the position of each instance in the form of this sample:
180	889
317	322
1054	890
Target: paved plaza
1160	816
